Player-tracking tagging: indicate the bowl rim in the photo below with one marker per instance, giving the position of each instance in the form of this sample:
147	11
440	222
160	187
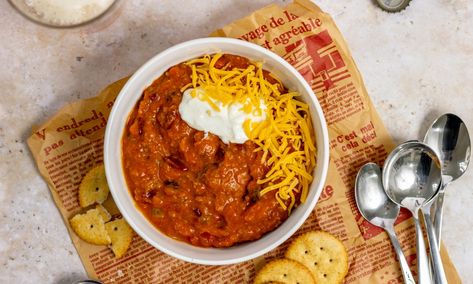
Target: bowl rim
322	160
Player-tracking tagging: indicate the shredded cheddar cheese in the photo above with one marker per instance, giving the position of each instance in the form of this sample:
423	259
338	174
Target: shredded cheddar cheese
285	137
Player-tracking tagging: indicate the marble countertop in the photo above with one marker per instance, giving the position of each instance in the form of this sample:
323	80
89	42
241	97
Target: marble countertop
416	64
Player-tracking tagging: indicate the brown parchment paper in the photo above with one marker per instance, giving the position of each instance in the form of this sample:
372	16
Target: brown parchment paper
71	142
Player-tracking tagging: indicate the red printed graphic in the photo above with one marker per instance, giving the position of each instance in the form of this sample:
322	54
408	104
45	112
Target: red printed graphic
412	261
326	193
316	57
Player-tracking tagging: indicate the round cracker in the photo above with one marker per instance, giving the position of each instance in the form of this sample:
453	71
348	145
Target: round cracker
90	227
121	235
93	187
284	271
323	254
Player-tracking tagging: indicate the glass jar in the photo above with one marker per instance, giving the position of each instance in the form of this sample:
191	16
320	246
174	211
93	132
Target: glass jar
64	13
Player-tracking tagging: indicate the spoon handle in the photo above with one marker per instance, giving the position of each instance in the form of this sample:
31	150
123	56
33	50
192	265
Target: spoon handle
406	271
422	261
438	271
438	216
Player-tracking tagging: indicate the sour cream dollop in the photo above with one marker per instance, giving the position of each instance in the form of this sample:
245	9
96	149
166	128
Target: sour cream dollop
226	123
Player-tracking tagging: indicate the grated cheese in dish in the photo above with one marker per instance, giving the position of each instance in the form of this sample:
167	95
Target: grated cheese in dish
67	12
277	122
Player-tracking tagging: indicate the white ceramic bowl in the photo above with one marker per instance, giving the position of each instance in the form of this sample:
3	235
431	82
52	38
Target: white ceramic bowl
127	99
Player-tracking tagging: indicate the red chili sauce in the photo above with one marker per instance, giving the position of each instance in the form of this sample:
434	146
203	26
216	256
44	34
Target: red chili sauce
192	186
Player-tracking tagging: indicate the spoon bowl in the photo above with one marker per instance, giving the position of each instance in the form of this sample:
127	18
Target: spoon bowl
449	137
372	201
412	175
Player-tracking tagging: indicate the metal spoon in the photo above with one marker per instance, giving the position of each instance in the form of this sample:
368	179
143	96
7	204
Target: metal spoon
412	178
375	206
448	136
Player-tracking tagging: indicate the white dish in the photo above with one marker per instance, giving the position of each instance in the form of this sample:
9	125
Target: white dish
132	92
